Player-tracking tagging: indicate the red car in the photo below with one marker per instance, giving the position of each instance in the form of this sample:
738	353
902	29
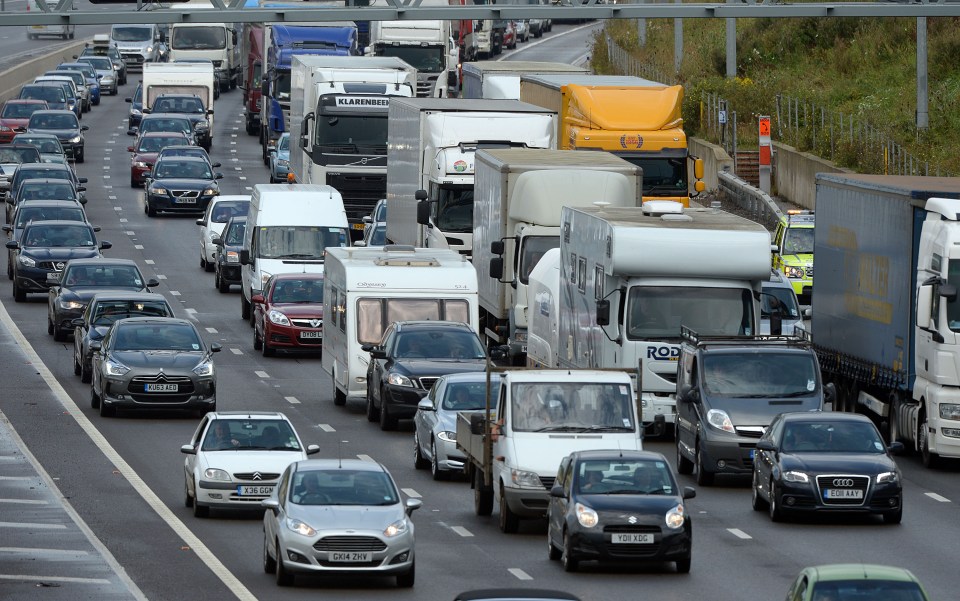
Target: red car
16	114
146	149
289	314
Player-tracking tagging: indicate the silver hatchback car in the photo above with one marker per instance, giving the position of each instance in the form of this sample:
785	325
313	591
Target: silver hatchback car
338	516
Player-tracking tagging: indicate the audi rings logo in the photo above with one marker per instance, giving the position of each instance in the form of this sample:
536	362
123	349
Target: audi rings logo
843	482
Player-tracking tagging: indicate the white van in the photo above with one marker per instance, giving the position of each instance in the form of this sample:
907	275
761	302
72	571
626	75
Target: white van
367	289
288	229
35	31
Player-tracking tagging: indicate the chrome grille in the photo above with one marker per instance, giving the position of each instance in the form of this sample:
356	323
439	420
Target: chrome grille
750	431
547	481
861	483
136	386
52	265
185	193
305	323
161	378
357	544
264	476
427	383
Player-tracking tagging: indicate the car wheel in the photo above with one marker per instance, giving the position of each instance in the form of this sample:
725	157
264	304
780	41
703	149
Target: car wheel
758	502
49	324
244	307
77	368
407	579
252	316
776	514
150	210
387	423
266	349
269	563
704	478
284	578
372	413
203	262
257	341
209	266
684	465
222	286
552	551
419	461
106	410
79	157
94	398
482	495
187	499
59	335
893	517
9	271
199	511
134	183
86	373
570	563
683	565
929	459
435	471
509	522
19	295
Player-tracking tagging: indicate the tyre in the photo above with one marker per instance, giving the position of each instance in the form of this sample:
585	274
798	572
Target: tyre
893	517
244	307
776	513
86	373
684	465
509	521
756	501
222	286
105	410
252	130
435	471
407	579
49	325
553	553
929	459
372	414
567	558
58	334
683	565
94	399
79	157
482	495
200	511
203	263
339	397
77	368
387	423
284	578
704	478
269	563
134	183
419	461
187	499
151	211
257	342
266	349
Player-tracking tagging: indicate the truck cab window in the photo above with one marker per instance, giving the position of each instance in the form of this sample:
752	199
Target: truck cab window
953	307
658	312
532	250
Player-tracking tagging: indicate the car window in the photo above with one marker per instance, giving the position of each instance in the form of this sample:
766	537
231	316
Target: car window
154	143
343	487
306	290
13	110
235	234
832	437
47	191
225	209
466	396
621	476
436	344
27	214
863	589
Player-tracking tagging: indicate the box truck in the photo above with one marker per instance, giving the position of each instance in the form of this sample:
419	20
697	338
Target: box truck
501	79
427	46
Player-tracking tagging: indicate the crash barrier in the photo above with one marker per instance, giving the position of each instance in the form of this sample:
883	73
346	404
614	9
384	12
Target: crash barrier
11	80
754	204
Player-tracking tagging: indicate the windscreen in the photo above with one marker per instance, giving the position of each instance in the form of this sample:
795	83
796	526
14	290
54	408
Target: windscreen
298	291
47	191
28	214
44	144
112	276
281	85
760	375
19	155
454	207
298	242
132	34
250	434
57	236
662	176
182	169
101	64
53	121
166	124
343	487
832	437
178	105
798	241
198	38
53	94
235	234
656	313
862	589
352	134
375	314
468	396
425	59
438	344
13	110
776	300
225	209
155	337
572	407
155	144
625	477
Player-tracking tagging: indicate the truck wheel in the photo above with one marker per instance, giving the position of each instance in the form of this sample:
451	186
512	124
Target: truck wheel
252	130
339	398
684	465
509	521
929	459
482	495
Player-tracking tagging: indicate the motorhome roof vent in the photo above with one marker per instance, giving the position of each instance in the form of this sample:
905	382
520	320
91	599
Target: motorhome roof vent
407	261
398	248
662	207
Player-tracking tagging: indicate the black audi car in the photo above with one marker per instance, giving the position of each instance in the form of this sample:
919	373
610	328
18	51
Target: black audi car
181	185
188	106
65	126
43	251
810	462
80	280
411	357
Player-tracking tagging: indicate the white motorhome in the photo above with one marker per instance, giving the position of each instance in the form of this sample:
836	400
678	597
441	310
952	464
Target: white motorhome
288	229
367	289
427	46
543	321
501	79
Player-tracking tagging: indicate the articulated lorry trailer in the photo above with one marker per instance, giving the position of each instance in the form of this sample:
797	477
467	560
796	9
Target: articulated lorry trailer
518	199
633	118
430	148
427	46
886	316
339	106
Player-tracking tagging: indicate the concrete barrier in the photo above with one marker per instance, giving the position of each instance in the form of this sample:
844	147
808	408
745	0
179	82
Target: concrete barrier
794	174
13	79
715	160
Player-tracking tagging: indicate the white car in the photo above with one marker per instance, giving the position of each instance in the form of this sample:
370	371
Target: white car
235	459
219	212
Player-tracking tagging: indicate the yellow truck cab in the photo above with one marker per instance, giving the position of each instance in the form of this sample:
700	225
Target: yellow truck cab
793	251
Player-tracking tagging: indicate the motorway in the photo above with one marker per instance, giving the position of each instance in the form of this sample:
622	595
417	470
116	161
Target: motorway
124	476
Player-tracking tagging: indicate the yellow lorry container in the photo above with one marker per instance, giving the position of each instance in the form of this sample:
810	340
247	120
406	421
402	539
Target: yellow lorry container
636	119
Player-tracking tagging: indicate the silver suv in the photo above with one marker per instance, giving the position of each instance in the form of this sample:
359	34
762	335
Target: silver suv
779	299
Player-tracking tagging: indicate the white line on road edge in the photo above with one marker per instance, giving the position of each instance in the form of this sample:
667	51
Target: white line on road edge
38	551
410	492
739	533
538	42
292	400
326	427
462	531
31	525
520	574
124	469
24	501
54	579
937	497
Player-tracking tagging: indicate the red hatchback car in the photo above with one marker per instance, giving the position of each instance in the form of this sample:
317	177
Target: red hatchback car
289	314
16	114
146	149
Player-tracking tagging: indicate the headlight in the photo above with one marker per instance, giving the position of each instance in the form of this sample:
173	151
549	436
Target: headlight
5	128
158	190
141	165
283	162
204	369
136	112
675	517
719	419
396	528
202	125
887	478
587	517
526	479
300	528
26	261
278	318
211	191
799	477
447	436
949	411
149	48
214	474
70	305
115	368
399	380
107	80
233	256
74	140
792	272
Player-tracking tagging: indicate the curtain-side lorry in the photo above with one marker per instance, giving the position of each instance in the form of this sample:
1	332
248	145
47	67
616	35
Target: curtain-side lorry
634	118
431	146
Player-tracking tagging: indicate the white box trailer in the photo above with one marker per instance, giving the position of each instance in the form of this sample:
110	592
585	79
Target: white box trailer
431	146
195	79
543	308
501	79
367	289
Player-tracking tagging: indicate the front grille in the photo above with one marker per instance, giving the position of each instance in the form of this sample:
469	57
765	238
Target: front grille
185	193
547	482
132	59
426	86
52	265
357	544
217	64
631	529
750	431
305	323
264	476
843	482
427	383
360	192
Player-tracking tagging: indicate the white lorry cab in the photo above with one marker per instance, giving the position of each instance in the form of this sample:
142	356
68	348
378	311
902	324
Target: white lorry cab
288	229
367	289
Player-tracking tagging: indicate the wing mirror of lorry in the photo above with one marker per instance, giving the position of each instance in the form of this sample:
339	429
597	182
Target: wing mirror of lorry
452	79
477	423
496	268
948	292
699	186
698	169
423	212
420	195
497	248
829	395
603	312
245	257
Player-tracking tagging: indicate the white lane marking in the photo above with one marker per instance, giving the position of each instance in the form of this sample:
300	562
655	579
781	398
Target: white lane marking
937	497
123	220
410	492
236	351
39	551
108	187
161	277
236	160
106	177
138	246
243	178
739	533
16	477
520	574
54	579
234	129
175	293
249	187
262	374
29	525
238	168
365	457
130	233
149	261
462	531
212	330
233	142
106	167
117	208
292	400
25	501
233	150
326	427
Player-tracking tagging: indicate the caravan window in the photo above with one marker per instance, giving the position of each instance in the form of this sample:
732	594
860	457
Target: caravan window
375	314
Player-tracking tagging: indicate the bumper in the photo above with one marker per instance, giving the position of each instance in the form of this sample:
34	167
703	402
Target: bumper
802	288
64	317
299	554
654	406
116	394
730	455
402	400
527	503
32	279
280	173
805	498
230	274
595	544
168	203
7	136
225	495
72	150
292	338
132	120
137	174
209	251
222	75
449	457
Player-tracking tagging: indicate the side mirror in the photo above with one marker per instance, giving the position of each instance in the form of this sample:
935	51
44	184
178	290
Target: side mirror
699	186
766	445
271	504
217	176
245	257
216	347
200	221
895	448
188	449
496	268
420	195
77	322
423	212
105	245
216	240
97	228
698	169
557	492
378	353
367	347
130	100
96	345
130	149
257	299
83	201
13	245
132	131
82	180
948	292
313	449
8	228
829	394
425	405
477	423
84	128
215	165
689	492
153	283
209	111
412	505
497	248
603	312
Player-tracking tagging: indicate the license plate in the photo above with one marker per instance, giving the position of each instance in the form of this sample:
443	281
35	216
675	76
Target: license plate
37	26
313	335
254	491
53	277
160	387
349	557
842	493
633	538
357	226
185	201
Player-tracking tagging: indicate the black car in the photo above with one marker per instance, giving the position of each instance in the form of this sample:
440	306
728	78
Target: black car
170	123
43	252
11	157
44	189
64	125
226	270
104	308
826	462
182	185
136	109
618	506
80	280
39	171
190	107
54	96
29	211
412	356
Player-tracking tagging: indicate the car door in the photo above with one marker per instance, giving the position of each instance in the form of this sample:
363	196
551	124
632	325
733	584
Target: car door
190	461
80	332
556	513
379	366
502	443
685	419
273	519
765	462
95	362
427	420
